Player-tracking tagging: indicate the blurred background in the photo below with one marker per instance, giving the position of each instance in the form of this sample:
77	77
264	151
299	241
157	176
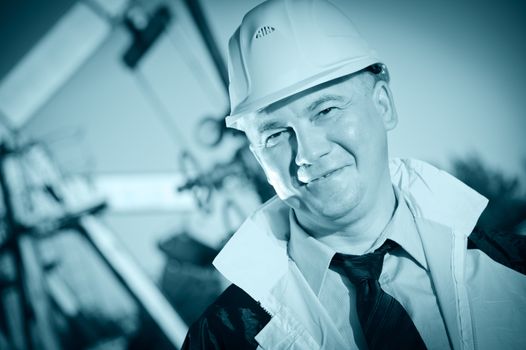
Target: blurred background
119	182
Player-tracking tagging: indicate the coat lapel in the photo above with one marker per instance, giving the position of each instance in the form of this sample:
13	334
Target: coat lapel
299	321
438	248
445	211
301	313
255	258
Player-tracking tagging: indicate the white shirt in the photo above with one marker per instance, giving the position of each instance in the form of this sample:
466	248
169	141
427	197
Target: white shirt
404	276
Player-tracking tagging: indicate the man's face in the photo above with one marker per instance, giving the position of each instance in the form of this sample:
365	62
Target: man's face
325	150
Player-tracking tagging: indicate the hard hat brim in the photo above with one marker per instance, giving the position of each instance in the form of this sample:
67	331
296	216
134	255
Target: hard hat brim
342	69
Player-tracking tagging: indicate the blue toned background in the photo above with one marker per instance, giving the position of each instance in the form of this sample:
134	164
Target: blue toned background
457	74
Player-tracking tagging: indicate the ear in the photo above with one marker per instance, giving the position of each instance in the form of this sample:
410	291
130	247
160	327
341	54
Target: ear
384	103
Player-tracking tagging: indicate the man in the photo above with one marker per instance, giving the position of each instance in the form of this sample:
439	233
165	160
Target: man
356	251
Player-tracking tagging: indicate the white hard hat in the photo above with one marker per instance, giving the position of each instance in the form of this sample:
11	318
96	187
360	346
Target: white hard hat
283	47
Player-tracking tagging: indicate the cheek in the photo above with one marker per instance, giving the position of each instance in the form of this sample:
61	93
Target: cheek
360	134
277	167
347	134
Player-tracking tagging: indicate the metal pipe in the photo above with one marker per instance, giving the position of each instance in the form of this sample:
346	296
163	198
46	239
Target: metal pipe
200	20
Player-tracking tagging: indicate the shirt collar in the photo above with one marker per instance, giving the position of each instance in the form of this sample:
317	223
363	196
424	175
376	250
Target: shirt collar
313	257
402	229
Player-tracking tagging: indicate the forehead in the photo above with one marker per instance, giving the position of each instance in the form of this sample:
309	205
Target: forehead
308	101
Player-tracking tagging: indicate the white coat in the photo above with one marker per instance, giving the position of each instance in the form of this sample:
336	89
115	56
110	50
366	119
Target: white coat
483	303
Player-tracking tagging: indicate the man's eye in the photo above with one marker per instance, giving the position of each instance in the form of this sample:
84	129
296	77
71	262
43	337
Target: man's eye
326	111
275	138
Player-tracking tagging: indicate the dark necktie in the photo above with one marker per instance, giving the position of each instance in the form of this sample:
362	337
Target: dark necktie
385	323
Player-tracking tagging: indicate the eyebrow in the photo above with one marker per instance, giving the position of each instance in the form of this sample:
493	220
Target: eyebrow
269	125
322	99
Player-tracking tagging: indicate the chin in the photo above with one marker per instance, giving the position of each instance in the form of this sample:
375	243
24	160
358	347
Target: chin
333	208
336	212
340	204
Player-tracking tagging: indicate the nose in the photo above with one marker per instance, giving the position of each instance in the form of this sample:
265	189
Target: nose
312	144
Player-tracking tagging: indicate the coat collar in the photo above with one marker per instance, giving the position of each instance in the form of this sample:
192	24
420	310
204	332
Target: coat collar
256	257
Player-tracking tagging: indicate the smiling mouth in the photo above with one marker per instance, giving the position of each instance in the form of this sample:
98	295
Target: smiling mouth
329	174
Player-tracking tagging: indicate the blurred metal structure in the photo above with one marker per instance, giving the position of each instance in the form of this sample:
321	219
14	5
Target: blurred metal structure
49	205
144	38
139	285
38	209
202	24
28	86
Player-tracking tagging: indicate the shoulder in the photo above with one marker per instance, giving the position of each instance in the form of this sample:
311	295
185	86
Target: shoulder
231	322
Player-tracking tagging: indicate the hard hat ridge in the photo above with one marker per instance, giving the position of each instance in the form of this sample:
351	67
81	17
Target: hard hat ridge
283	47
